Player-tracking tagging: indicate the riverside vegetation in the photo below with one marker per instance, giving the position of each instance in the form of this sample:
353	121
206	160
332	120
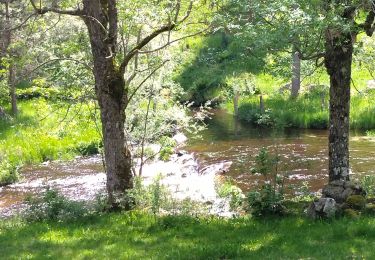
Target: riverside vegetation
88	231
38	134
310	110
120	78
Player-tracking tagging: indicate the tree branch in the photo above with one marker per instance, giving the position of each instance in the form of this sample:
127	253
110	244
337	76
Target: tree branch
369	25
154	34
312	56
60	59
171	42
42	10
21	24
143	82
143	43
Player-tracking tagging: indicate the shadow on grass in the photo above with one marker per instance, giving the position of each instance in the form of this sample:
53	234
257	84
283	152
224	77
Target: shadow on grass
8	126
139	236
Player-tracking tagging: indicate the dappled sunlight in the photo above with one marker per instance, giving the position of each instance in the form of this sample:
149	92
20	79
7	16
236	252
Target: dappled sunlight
143	236
260	243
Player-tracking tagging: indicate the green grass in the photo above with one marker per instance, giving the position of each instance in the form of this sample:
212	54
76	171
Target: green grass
40	134
371	133
307	111
135	235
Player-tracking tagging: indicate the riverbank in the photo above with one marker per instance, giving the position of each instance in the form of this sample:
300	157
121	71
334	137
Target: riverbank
309	110
43	131
83	179
135	235
303	153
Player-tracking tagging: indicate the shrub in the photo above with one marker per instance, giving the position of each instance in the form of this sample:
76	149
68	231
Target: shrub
153	197
8	173
53	206
266	202
265	119
37	92
370	133
248	112
166	153
368	184
167	148
231	192
270	198
319	121
90	148
251	113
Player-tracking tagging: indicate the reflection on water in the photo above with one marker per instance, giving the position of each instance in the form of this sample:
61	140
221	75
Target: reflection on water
303	152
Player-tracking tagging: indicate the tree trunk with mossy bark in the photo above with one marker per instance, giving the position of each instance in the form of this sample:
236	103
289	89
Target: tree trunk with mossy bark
111	96
339	46
338	62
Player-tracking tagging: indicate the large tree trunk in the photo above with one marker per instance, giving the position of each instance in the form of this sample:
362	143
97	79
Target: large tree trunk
117	156
112	98
338	61
296	78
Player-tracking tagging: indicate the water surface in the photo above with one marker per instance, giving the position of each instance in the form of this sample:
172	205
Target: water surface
303	152
304	159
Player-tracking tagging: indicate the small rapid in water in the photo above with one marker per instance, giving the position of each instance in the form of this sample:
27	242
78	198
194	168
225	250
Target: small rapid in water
81	179
227	147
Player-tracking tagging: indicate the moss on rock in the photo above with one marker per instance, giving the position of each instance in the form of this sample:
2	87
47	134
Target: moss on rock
351	213
356	202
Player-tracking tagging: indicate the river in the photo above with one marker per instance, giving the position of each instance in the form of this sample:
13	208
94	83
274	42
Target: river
303	152
303	156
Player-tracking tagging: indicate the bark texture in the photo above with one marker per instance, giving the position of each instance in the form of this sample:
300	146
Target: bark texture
111	95
338	61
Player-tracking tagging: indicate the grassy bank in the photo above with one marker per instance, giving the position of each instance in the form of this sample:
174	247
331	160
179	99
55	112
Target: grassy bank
139	236
307	111
44	131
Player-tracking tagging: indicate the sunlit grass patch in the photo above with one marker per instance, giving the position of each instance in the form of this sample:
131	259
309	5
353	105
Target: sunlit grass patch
138	235
307	111
44	132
